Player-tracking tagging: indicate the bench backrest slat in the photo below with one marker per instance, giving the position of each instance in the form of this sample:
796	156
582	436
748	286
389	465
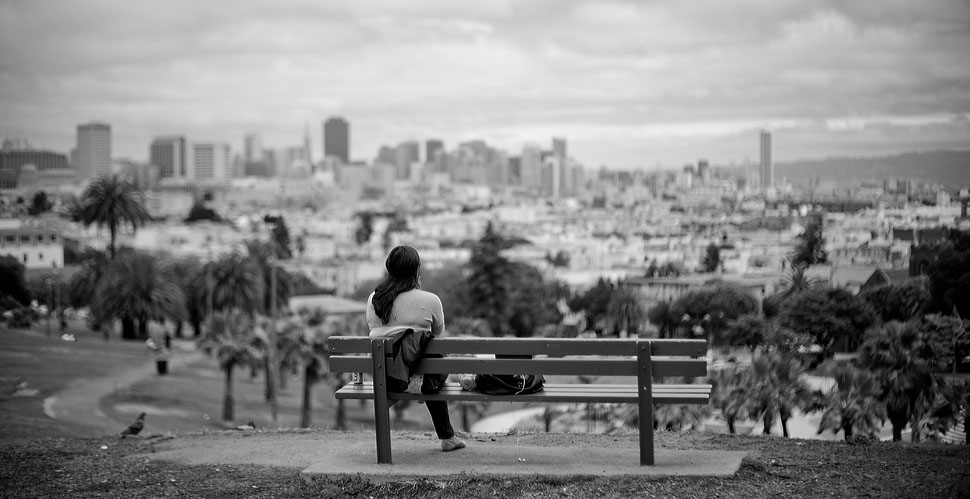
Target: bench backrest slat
552	347
548	366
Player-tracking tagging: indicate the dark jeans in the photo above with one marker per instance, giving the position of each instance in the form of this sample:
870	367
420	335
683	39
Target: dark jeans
437	408
439	416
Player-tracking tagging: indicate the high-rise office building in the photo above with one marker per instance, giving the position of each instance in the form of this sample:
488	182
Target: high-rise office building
559	152
169	155
307	145
703	171
252	148
767	168
336	139
431	147
407	153
93	150
530	166
211	162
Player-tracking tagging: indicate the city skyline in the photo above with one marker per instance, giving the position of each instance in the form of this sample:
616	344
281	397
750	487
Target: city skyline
629	85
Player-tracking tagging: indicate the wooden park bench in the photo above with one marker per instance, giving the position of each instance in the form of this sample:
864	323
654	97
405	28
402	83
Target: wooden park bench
644	359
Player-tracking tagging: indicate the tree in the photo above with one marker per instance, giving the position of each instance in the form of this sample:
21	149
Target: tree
200	211
828	316
447	282
12	282
366	227
899	301
796	281
263	255
40	203
713	306
489	287
949	275
810	249
906	362
729	394
533	300
950	331
397	223
190	277
237	282
561	259
139	286
774	387
594	303
851	405
280	236
305	345
231	338
665	318
749	330
712	258
625	311
113	202
83	285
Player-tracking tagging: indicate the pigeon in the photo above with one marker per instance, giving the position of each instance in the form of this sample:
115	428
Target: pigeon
248	426
135	427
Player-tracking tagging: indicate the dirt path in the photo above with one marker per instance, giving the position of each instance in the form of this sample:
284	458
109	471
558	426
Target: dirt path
79	402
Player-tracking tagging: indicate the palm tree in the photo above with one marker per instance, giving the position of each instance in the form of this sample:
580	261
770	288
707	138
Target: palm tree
624	310
186	272
264	254
237	282
307	346
796	281
906	362
852	405
665	318
774	387
141	287
231	337
729	394
83	285
113	202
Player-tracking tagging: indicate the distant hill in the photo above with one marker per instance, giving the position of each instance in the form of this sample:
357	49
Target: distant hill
944	167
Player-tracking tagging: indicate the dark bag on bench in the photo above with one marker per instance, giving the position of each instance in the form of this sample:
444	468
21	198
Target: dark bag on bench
508	384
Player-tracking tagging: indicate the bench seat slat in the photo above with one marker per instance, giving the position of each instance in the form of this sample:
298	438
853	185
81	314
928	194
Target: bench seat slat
533	346
589	366
662	394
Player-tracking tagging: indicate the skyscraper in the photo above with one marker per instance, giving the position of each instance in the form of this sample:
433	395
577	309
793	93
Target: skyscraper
252	148
407	152
210	162
559	152
169	155
530	166
93	150
767	168
336	139
431	147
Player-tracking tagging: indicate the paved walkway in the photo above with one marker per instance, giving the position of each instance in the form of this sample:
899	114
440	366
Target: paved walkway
416	455
80	401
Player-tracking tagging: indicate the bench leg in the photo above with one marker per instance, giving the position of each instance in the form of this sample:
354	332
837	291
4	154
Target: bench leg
645	403
382	419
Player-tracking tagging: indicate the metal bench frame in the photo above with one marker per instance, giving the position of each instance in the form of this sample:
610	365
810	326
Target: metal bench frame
644	359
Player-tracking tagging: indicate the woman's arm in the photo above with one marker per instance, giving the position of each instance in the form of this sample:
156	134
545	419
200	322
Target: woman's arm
437	317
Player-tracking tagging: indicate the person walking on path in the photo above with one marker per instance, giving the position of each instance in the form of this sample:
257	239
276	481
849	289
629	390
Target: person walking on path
398	303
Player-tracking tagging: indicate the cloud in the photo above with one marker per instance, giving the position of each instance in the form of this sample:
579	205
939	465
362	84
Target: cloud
663	81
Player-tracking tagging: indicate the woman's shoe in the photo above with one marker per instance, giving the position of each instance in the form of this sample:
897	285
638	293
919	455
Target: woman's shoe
453	443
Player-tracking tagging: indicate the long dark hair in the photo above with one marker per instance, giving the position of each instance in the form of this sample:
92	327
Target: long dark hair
402	267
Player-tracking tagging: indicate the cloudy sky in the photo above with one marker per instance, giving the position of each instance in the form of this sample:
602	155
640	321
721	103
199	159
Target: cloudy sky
630	84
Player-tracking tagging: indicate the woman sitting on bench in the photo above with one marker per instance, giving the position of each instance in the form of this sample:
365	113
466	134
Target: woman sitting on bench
398	304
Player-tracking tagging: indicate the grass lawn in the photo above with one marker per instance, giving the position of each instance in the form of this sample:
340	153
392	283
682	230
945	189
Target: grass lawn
776	467
71	465
49	364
